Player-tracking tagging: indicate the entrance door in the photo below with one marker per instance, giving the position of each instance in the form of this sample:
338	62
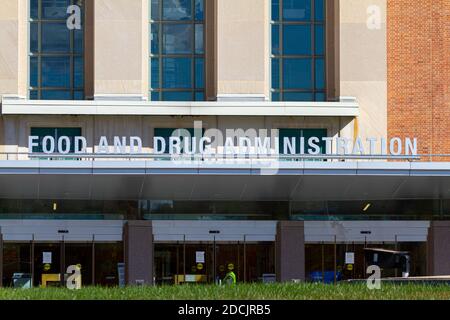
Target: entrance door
47	264
209	262
80	254
328	262
229	257
179	263
17	265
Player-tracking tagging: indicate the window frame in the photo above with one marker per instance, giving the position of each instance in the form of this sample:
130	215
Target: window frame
280	57
72	54
193	55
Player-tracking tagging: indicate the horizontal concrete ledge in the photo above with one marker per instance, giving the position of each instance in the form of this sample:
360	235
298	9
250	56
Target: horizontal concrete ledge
346	108
226	168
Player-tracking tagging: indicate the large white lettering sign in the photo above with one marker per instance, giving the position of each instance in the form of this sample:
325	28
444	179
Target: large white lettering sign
259	145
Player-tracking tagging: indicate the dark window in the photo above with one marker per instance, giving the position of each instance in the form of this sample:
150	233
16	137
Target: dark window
56	51
166	133
214	210
298	50
302	133
367	210
56	133
177	71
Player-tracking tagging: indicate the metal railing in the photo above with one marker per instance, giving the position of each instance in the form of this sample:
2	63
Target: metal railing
215	157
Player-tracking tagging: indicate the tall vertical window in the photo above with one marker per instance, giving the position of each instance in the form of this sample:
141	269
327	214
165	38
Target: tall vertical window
298	50
177	51
56	50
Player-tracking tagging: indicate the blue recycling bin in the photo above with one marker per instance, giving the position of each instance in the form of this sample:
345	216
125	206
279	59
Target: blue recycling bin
326	277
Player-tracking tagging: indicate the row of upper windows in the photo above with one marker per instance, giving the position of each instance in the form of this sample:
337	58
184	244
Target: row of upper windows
177	50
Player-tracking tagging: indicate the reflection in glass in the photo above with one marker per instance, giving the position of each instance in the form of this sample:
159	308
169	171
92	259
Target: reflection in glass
199	73
298	96
80	254
199	96
320	74
320	40
154	9
34	37
177	10
199	10
177	39
297	39
55	9
298	50
177	96
297	73
56	72
34	9
33	71
78	72
319	10
252	261
154	84
107	258
154	39
16	260
47	261
275	10
55	37
56	53
199	39
275	73
78	41
296	10
275	39
177	73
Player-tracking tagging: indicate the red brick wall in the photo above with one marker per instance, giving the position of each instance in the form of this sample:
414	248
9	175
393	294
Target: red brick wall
419	73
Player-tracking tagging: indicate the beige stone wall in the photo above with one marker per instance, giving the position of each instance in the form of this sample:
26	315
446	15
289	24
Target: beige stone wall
243	47
121	48
13	48
363	64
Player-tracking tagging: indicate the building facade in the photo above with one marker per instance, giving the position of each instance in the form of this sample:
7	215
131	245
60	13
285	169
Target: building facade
86	83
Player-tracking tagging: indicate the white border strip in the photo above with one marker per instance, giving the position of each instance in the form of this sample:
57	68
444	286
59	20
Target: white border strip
248	108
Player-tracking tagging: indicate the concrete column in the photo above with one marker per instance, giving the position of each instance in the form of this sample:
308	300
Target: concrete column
290	251
121	49
14	48
438	248
243	50
138	238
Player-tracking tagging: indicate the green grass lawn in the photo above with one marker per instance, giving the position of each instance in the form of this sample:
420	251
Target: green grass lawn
239	292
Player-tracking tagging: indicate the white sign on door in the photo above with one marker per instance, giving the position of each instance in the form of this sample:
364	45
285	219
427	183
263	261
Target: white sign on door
349	258
46	257
200	257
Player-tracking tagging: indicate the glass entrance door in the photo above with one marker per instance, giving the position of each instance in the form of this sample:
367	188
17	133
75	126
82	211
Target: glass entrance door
329	262
48	264
17	266
179	263
80	254
36	264
209	262
229	258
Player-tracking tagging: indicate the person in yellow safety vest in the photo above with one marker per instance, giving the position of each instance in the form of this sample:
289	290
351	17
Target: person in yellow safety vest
230	277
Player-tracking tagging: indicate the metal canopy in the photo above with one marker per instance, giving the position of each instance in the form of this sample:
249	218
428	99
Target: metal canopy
165	180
